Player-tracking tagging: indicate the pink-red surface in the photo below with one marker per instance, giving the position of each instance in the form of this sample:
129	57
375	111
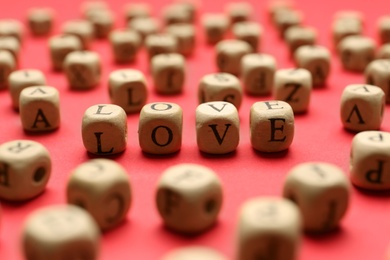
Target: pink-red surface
364	232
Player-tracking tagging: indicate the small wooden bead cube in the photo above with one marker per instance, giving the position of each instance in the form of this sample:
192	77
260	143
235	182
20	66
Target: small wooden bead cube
145	26
249	32
194	252
160	44
217	127
125	45
239	12
229	54
168	71
220	87
160	128
189	198
377	73
215	26
39	108
25	168
60	232
104	129
21	79
369	160
316	59
176	14
349	15
102	187
297	36
91	6
11	27
82	29
384	29
362	107
271	126
10	44
383	52
294	86
185	35
287	18
60	46
102	22
257	73
279	5
7	65
343	28
82	69
268	228
137	10
127	88
321	191
356	52
40	21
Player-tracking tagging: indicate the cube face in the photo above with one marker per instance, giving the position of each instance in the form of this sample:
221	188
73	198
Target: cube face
40	21
315	59
185	35
160	128
369	161
356	52
257	73
160	44
220	87
229	54
7	65
294	87
217	127
271	126
215	26
194	252
268	228
60	232
104	129
40	108
25	168
377	73
21	79
189	198
297	36
321	191
102	187
60	46
168	72
82	29
125	45
249	32
82	69
362	107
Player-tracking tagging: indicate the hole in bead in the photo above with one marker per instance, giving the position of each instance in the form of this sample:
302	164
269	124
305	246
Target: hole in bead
210	206
39	174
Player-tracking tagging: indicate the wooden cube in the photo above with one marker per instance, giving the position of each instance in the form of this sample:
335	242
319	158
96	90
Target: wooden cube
238	12
11	27
21	79
356	52
127	88
7	65
189	198
102	22
125	45
89	7
271	126
384	29
286	18
220	87
160	128
168	71
249	32
191	252
185	35
25	168
60	232
160	44
145	26
39	108
60	46
377	73
82	29
362	107
102	187
257	73
268	228
104	129
82	69
215	26
316	59
294	87
369	160
137	10
383	51
342	28
321	191
229	54
40	21
12	45
297	36
349	15
176	14
217	127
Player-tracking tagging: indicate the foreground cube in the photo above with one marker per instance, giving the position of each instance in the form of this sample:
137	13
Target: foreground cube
104	129
25	168
229	54
321	191
192	252
362	107
102	187
377	73
168	71
60	232
160	128
189	198
268	228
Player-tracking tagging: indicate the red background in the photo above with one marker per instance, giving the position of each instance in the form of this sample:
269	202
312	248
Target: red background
365	230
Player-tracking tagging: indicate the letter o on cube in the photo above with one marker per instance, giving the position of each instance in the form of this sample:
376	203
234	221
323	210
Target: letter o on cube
189	198
321	191
25	168
370	160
